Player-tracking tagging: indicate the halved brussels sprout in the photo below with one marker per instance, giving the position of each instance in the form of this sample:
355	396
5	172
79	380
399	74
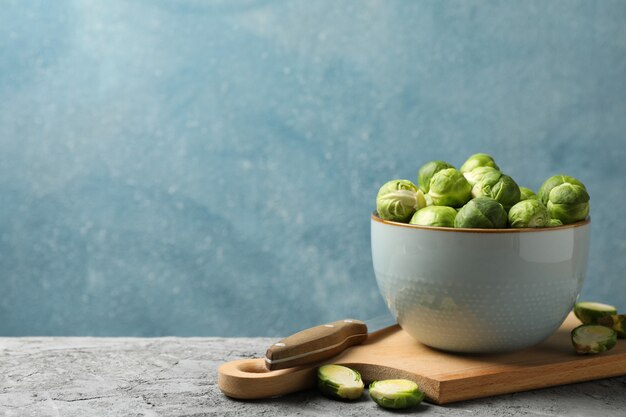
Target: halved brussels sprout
396	393
442	216
427	171
397	200
526	194
566	198
529	213
590	338
339	382
482	213
477	174
449	187
589	312
479	160
501	188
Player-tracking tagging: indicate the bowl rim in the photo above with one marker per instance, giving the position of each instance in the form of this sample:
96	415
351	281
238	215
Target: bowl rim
475	230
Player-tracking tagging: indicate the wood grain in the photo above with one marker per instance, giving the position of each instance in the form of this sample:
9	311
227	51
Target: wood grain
445	377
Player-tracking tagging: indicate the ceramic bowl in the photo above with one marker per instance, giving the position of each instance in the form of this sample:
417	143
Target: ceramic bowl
479	290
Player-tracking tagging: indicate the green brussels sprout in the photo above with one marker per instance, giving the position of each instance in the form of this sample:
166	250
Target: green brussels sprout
478	160
569	203
529	213
481	213
427	171
442	216
397	200
590	338
339	382
554	181
449	187
554	223
396	393
589	312
566	198
526	194
477	174
501	188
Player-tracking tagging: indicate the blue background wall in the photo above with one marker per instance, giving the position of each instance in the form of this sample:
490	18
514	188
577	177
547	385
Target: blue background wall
209	167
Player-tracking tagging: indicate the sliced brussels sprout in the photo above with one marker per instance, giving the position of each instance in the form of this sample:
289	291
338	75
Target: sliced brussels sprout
482	213
554	223
616	322
339	382
501	188
427	171
591	338
442	216
529	213
396	393
449	187
478	174
589	312
397	200
526	194
566	198
478	160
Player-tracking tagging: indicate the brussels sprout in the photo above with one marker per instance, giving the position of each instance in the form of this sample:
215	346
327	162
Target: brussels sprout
590	338
449	187
529	213
554	181
339	382
481	213
441	216
397	200
589	312
478	160
501	188
568	203
554	223
427	171
526	194
396	393
616	322
477	174
566	198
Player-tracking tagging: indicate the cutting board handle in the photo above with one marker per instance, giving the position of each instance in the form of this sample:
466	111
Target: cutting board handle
248	379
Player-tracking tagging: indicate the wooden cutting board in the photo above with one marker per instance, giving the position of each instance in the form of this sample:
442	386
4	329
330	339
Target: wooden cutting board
445	377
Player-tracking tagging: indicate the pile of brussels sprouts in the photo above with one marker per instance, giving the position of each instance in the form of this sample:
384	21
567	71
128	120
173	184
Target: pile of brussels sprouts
479	195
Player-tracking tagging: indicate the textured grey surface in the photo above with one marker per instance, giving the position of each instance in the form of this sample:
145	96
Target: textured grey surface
78	377
176	167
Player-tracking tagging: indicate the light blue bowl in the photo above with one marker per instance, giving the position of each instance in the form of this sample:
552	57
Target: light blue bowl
479	290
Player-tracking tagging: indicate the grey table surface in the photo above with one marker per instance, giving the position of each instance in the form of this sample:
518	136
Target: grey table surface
61	376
